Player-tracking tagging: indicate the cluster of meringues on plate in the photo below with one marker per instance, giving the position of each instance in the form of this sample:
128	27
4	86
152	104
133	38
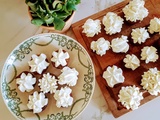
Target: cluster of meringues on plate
48	82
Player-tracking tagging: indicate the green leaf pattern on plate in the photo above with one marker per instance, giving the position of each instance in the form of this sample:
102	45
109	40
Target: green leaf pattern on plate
59	116
23	50
13	101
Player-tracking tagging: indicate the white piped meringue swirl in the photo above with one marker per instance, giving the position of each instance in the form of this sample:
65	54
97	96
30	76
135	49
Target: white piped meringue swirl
60	57
154	25
48	83
131	61
38	63
139	35
120	45
37	102
26	82
100	46
130	97
63	97
151	81
68	76
149	54
112	22
135	10
91	27
113	75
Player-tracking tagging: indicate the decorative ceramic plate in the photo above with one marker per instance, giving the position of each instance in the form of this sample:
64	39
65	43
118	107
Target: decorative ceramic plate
17	62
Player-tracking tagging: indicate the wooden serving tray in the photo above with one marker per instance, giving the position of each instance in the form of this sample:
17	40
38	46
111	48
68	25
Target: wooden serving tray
111	58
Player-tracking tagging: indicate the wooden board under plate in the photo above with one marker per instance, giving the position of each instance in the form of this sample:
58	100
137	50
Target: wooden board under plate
111	58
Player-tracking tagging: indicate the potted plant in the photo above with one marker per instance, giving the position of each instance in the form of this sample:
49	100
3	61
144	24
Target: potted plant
54	15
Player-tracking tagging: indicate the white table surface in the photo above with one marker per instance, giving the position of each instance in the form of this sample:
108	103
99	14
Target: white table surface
15	27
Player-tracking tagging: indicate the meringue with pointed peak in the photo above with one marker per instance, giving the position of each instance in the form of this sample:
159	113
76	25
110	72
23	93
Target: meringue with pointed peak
135	11
131	61
100	46
37	102
154	25
120	45
112	22
68	76
113	75
63	97
139	35
59	58
151	81
91	27
26	82
38	63
130	97
149	54
48	83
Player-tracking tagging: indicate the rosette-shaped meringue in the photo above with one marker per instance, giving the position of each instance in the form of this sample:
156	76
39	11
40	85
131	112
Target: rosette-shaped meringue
120	45
26	82
151	81
149	54
139	35
60	57
154	25
131	61
135	11
38	63
68	76
91	27
112	22
37	102
100	46
130	97
48	83
113	75
63	97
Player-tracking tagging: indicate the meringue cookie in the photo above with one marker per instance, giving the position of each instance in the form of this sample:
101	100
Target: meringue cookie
113	75
154	25
48	83
120	45
130	97
135	10
131	61
60	57
100	46
38	63
63	98
112	22
91	27
151	81
37	101
68	76
26	82
139	35
149	54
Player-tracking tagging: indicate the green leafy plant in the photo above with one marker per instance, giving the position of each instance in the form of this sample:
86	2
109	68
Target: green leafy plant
51	12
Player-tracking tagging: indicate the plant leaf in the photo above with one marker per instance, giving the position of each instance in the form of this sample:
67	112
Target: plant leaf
58	23
71	6
49	20
37	21
78	1
62	15
55	3
33	6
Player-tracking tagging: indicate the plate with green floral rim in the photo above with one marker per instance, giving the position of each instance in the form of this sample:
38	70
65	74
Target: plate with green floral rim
17	62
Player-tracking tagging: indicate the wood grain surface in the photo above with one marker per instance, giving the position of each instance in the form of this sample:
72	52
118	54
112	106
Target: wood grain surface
111	58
